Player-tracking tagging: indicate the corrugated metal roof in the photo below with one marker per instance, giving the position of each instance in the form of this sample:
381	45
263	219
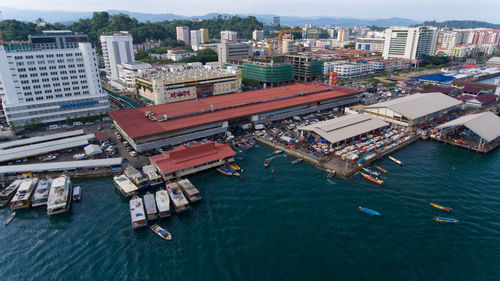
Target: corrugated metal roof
45	145
485	125
42	150
418	105
41	139
61	166
346	127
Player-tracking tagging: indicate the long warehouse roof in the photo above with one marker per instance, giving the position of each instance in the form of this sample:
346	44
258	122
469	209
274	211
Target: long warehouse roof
346	127
40	139
418	105
45	145
190	113
42	150
61	166
485	125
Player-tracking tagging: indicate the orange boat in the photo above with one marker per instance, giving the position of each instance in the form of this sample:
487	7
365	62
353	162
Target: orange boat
381	169
267	162
372	179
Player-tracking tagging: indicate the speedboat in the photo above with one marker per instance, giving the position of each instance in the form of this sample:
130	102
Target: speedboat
224	171
447	209
266	163
372	179
234	166
369	211
276	152
77	194
163	233
445	220
396	161
381	169
232	171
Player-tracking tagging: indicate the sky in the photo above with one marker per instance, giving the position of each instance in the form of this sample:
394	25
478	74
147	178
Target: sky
486	10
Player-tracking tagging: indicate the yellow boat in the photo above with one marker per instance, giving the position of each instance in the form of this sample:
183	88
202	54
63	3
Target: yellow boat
234	167
448	209
372	179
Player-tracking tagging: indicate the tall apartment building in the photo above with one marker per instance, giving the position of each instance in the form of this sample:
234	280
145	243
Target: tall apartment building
226	51
410	42
195	38
57	39
183	34
228	36
258	35
276	21
49	85
204	35
116	48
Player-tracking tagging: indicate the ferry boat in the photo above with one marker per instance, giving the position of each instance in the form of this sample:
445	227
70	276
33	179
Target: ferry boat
22	199
7	194
77	194
59	200
41	193
163	233
137	214
447	209
125	186
178	200
371	172
163	203
152	176
396	161
137	178
150	206
372	179
191	192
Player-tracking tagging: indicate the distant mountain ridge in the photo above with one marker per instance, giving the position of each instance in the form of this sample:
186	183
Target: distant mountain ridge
71	16
462	24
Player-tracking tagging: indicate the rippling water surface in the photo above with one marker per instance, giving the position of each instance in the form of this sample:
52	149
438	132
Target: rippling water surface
297	226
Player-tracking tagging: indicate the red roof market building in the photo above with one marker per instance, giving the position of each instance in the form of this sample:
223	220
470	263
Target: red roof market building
174	123
185	160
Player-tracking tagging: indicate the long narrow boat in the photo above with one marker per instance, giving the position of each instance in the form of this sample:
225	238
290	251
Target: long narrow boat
445	220
396	161
447	209
276	152
234	166
266	163
372	179
232	171
10	218
163	233
369	211
381	169
296	161
224	171
371	172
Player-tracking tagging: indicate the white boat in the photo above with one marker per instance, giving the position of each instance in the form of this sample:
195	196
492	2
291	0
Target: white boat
59	200
77	194
163	203
9	218
163	233
137	214
396	161
331	174
136	177
7	193
41	193
150	206
125	185
191	192
178	200
22	199
152	176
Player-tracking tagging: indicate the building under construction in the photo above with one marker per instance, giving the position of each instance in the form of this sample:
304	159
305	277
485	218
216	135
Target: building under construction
269	71
306	68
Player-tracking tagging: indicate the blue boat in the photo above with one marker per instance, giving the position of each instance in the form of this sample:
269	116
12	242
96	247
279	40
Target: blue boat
369	211
371	172
232	171
446	220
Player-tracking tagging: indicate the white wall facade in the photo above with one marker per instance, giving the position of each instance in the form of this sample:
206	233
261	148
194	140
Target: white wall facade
116	49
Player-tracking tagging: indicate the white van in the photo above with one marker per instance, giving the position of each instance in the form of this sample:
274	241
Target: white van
77	124
54	127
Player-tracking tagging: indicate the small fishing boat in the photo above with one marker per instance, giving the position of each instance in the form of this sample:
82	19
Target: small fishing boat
163	233
239	158
9	219
369	211
445	220
372	179
224	171
381	169
371	172
233	172
447	209
396	161
266	163
77	195
276	152
296	161
330	174
234	167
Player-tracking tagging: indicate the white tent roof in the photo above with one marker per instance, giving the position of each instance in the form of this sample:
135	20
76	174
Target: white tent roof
92	149
38	139
60	166
485	125
346	127
418	105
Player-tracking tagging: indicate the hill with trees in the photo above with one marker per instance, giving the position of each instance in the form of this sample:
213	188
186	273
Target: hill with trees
102	22
462	24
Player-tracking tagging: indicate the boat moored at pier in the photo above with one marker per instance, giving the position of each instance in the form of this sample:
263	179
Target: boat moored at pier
22	199
9	192
137	178
59	200
137	214
152	176
41	194
163	203
191	192
125	185
150	206
178	200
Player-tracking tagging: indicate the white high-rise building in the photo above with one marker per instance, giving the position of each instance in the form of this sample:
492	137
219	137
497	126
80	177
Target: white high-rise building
116	48
195	39
410	42
49	85
258	35
228	36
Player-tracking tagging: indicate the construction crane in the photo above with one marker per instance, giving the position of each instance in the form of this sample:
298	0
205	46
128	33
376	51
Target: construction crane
280	38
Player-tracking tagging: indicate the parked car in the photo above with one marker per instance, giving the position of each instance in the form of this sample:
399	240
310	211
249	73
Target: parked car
54	127
132	153
77	124
49	157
